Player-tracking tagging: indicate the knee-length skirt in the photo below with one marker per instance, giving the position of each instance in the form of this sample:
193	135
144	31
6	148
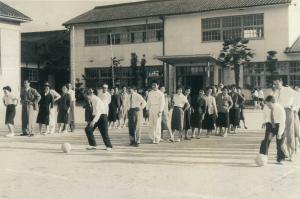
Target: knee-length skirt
62	117
113	114
209	122
10	114
177	119
234	116
43	116
187	120
242	114
223	120
196	120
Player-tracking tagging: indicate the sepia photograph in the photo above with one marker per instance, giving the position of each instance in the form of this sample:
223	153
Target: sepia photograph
150	99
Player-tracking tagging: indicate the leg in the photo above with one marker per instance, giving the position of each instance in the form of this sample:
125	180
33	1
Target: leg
290	133
264	146
137	123
89	131
280	148
40	128
103	128
131	127
25	129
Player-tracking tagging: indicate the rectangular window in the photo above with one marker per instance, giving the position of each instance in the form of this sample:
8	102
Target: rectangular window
125	34
242	26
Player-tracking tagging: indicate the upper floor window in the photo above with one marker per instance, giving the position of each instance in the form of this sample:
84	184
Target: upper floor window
242	26
124	35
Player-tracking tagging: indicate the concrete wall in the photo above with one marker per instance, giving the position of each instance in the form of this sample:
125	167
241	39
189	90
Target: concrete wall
100	56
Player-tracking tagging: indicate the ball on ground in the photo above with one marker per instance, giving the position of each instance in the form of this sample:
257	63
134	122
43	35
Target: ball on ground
261	160
66	147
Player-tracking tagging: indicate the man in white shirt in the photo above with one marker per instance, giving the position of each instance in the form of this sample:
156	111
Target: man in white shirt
155	105
72	107
99	120
105	97
136	104
275	122
285	96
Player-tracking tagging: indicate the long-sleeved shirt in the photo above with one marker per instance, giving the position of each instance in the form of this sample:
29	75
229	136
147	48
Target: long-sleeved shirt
278	117
211	106
136	101
285	97
156	98
99	108
106	99
224	103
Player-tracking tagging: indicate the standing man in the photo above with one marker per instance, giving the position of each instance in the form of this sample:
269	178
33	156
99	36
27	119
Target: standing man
29	100
286	96
105	97
165	120
99	120
136	105
72	107
156	104
125	106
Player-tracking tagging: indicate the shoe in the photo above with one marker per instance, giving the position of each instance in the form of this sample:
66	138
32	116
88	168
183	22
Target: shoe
31	135
90	148
186	138
171	140
10	135
225	135
178	140
24	134
137	145
108	149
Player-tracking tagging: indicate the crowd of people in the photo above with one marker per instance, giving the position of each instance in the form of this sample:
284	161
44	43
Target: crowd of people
218	109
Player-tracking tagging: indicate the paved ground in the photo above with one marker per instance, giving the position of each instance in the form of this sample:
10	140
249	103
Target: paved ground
214	168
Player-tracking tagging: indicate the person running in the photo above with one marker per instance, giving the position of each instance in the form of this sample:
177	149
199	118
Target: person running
187	114
45	105
198	113
99	120
235	111
211	112
136	105
29	100
242	114
275	121
224	104
165	120
180	103
10	102
155	105
64	105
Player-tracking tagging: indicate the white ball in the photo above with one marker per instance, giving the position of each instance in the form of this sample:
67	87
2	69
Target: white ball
261	160
66	147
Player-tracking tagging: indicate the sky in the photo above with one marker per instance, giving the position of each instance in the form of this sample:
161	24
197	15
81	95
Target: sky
51	14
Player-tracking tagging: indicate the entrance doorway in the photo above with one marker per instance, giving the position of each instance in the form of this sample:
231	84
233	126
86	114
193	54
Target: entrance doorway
196	83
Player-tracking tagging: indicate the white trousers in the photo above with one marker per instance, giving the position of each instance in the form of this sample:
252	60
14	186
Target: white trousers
154	124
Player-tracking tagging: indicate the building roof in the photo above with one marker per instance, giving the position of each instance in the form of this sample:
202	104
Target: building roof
295	48
9	13
152	8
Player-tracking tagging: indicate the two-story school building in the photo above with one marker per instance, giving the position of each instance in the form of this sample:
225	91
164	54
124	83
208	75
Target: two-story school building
182	39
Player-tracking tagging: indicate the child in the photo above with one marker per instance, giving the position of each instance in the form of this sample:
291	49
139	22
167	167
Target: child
275	125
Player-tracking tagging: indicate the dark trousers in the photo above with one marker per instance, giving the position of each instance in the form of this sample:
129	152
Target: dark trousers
102	125
133	125
272	131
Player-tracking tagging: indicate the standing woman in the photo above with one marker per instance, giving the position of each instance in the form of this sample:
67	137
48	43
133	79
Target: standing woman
235	111
45	105
242	114
63	110
179	102
211	112
145	110
113	110
10	102
198	112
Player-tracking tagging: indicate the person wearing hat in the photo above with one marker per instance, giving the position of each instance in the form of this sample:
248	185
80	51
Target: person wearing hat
45	104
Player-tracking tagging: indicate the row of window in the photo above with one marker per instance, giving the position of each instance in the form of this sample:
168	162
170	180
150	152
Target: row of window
282	67
223	28
124	35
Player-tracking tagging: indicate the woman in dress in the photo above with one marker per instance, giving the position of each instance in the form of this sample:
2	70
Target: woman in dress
63	109
10	102
45	104
180	104
114	107
224	104
211	112
235	111
198	113
145	110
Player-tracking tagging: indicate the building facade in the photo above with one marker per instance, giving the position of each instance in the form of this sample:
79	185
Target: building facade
182	40
10	46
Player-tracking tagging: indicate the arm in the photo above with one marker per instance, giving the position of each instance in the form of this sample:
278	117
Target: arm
230	103
162	104
56	96
37	96
97	105
281	114
215	106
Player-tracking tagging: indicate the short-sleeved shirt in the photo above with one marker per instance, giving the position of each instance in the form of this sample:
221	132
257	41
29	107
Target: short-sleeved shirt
9	99
180	100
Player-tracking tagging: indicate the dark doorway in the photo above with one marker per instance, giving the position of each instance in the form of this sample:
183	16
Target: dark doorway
196	83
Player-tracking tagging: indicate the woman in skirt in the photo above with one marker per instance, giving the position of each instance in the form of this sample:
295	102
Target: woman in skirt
179	103
63	110
45	104
235	111
187	114
114	108
210	112
10	102
198	112
224	104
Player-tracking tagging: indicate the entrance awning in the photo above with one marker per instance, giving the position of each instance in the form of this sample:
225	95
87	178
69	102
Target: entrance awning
187	59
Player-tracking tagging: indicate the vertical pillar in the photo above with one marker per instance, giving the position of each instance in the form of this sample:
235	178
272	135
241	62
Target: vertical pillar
73	56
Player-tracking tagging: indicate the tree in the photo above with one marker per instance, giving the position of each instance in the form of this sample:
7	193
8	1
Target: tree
235	53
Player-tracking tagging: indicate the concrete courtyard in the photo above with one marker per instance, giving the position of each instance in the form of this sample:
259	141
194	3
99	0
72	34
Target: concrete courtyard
209	168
